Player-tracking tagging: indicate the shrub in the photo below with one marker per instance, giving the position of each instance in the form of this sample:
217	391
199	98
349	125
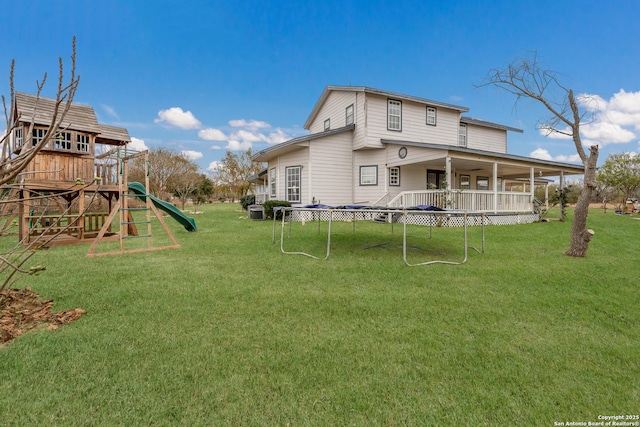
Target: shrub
270	204
246	200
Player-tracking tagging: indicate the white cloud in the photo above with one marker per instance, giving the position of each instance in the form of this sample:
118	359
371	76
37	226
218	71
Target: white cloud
277	136
234	145
615	121
213	166
542	154
251	124
212	134
191	155
603	132
175	116
245	134
137	144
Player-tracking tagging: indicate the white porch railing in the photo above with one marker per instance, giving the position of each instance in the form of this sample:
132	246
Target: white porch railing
473	200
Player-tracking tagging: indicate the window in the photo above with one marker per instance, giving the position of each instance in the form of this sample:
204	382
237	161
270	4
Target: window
465	182
462	135
368	175
431	116
82	143
349	114
293	184
394	115
62	141
394	176
327	124
482	183
17	138
38	135
272	182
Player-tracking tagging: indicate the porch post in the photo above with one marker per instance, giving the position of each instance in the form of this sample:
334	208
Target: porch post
546	195
495	187
532	180
447	171
561	199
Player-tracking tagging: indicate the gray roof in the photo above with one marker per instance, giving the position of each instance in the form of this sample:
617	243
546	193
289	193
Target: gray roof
573	168
472	121
365	89
79	117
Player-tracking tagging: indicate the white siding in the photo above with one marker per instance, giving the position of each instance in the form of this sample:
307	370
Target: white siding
369	193
334	109
414	123
295	158
331	177
485	138
414	155
412	178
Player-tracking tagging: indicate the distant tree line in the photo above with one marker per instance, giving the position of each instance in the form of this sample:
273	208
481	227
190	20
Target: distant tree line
172	175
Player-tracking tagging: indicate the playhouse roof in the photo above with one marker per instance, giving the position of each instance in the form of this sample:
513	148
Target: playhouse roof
79	117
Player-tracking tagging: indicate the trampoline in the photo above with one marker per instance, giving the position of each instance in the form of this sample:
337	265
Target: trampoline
428	216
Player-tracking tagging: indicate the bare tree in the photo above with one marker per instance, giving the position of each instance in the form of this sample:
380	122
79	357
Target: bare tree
234	172
13	260
185	185
166	169
527	79
11	165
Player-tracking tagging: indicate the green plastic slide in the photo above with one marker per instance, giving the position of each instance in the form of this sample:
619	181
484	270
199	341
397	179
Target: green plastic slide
188	223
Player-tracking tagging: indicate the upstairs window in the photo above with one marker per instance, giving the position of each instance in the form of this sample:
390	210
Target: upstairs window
82	143
349	115
462	135
394	115
327	125
62	141
431	116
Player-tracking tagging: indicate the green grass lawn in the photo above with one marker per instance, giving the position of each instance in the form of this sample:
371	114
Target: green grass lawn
227	330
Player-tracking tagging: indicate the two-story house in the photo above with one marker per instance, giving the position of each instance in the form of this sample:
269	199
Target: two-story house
368	146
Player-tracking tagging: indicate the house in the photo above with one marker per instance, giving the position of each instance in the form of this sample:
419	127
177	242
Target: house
78	154
369	146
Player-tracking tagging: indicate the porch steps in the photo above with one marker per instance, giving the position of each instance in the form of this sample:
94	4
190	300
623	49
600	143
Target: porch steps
387	217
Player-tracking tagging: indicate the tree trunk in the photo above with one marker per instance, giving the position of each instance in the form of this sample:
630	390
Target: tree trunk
580	235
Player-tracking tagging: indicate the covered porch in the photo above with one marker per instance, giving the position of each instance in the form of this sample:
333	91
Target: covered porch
468	179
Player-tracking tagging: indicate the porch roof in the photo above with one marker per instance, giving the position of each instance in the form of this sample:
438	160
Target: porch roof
295	143
468	156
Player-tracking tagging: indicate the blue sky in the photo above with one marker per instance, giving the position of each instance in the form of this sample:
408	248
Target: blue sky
201	77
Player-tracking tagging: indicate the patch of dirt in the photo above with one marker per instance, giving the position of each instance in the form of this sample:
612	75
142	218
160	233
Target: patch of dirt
23	310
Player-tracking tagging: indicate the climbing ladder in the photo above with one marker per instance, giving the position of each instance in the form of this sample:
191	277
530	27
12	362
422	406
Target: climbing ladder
126	212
